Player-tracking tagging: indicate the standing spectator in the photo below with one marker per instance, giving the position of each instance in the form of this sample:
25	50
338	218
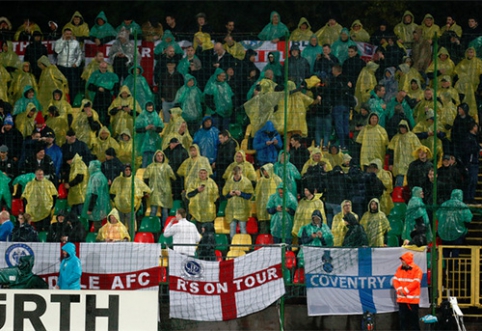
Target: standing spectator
221	58
112	166
418	170
9	59
299	154
373	139
356	235
158	176
293	176
28	96
267	143
102	32
54	151
79	28
148	127
340	94
452	217
143	90
74	146
86	124
207	245
26	30
405	29
303	31
121	191
170	82
51	79
6	32
421	51
226	152
102	84
407	283
59	230
6	226
282	220
386	203
121	112
416	209
448	179
238	190
69	59
23	77
202	194
265	187
97	202
307	205
41	160
218	97
472	31
122	53
76	184
298	66
353	65
330	32
400	152
152	30
185	235
275	30
171	24
376	224
430	30
358	33
7	165
70	269
463	122
34	51
338	226
40	195
340	47
324	64
24	231
337	191
130	26
176	154
470	159
189	168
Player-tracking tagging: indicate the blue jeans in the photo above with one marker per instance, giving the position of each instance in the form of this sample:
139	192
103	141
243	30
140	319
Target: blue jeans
164	214
166	107
341	116
232	227
331	210
399	180
323	129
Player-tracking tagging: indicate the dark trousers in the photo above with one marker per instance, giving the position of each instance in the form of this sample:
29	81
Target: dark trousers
73	79
408	315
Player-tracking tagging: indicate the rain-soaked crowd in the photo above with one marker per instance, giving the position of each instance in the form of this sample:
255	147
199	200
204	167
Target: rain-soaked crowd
208	132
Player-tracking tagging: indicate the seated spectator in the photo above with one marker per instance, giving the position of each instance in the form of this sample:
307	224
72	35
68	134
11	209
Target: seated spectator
185	235
376	224
102	32
24	231
113	230
355	236
6	226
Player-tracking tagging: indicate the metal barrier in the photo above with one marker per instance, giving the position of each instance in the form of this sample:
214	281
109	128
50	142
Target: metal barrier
460	275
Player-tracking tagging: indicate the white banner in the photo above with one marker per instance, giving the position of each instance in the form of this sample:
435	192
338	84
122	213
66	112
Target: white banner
78	310
219	291
105	266
352	281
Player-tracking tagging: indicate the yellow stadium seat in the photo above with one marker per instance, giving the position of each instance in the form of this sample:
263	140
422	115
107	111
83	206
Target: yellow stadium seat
241	239
234	254
164	258
221	226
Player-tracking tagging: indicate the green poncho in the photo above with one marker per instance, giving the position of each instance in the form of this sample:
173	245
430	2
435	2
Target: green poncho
143	91
102	31
21	104
340	47
148	141
5	190
415	209
277	218
292	174
106	80
222	94
272	31
168	39
190	99
97	185
452	216
311	51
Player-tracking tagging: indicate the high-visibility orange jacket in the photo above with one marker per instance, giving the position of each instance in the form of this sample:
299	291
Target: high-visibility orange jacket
407	283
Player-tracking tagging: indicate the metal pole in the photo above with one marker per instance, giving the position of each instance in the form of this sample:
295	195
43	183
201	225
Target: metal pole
433	255
133	133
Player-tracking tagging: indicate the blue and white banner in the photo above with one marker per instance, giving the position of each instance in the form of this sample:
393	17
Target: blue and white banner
343	281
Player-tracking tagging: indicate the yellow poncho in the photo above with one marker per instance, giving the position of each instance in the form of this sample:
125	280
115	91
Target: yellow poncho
403	145
265	187
338	227
39	195
302	35
123	119
386	203
374	141
237	208
121	188
190	167
246	166
360	35
305	210
17	86
25	123
81	125
77	193
312	162
202	206
365	83
375	225
124	152
160	175
113	232
328	34
51	79
5	78
99	145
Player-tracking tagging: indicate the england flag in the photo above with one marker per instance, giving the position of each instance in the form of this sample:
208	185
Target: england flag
219	291
343	281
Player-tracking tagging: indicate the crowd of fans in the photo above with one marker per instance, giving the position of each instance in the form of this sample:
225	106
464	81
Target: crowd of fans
357	128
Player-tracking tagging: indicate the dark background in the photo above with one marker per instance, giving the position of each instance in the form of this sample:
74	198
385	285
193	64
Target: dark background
250	16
